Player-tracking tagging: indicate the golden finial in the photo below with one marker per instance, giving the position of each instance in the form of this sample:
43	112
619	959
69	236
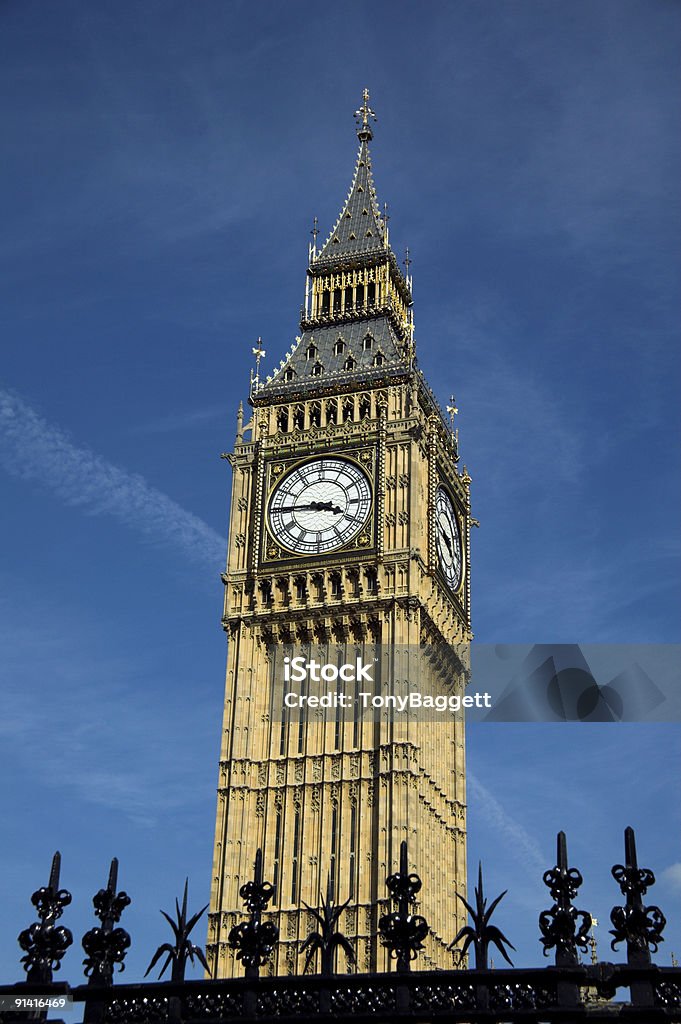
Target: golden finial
259	353
592	941
362	116
452	410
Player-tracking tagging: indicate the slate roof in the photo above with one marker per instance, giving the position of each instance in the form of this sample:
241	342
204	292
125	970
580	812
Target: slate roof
384	343
360	227
359	233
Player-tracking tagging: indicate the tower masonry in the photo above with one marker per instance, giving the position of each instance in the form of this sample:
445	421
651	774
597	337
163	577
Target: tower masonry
349	538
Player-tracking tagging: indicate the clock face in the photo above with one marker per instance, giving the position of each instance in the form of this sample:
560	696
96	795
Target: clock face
448	539
320	506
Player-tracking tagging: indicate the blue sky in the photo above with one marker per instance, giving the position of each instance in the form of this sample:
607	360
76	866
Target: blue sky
162	163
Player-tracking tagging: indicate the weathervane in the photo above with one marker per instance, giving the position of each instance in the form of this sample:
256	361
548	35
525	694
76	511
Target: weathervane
259	353
362	118
314	233
452	412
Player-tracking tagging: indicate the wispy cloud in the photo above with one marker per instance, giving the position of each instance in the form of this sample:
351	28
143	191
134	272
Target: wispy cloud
520	843
672	876
33	449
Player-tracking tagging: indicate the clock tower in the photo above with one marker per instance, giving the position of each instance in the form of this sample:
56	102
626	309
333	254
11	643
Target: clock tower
349	538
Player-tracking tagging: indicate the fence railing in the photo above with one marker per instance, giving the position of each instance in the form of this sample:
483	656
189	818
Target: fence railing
636	990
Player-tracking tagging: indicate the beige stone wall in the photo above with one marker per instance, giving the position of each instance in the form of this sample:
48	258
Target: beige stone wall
325	798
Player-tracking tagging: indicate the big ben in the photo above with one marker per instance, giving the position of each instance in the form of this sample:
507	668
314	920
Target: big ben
349	535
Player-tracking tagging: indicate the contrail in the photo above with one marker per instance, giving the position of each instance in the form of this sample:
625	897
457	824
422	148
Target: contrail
33	449
520	842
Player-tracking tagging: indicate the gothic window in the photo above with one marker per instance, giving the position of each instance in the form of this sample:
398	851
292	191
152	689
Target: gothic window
371	294
348	410
336	300
372	581
332	411
290	373
335	585
317	370
315	414
360	296
282	419
299	417
364	407
348	297
367	342
296	854
311	352
379	359
277	846
334	846
326	302
339	347
301	589
353	848
350	363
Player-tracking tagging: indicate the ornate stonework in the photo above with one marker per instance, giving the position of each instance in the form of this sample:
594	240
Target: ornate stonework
326	799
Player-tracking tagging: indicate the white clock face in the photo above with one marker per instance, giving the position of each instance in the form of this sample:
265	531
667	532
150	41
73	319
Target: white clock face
320	506
448	539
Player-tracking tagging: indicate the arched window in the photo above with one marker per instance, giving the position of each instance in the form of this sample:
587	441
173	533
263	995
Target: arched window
372	581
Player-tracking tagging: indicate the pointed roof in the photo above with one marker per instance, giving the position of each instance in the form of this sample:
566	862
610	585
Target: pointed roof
337	349
359	227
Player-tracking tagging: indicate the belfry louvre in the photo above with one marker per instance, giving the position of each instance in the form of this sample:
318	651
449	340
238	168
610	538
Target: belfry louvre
349	533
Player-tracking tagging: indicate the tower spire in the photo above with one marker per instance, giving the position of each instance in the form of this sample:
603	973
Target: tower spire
356	318
364	132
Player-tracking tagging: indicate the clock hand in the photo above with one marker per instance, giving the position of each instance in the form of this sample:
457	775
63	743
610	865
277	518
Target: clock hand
448	543
313	506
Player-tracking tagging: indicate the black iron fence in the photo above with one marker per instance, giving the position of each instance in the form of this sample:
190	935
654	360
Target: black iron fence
635	990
